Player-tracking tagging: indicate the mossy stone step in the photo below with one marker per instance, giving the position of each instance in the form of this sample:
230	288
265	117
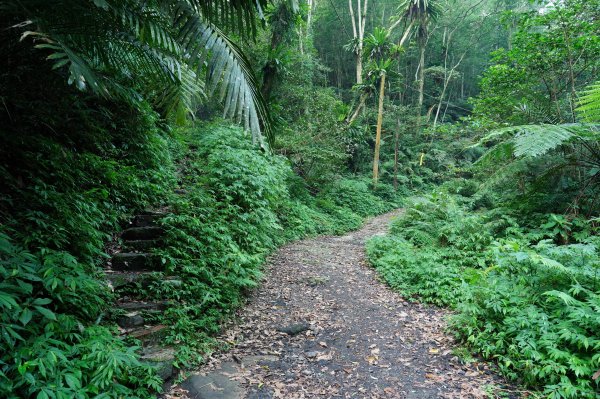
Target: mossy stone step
142	233
140	245
137	312
136	318
161	358
132	261
147	219
131	319
134	306
149	335
120	280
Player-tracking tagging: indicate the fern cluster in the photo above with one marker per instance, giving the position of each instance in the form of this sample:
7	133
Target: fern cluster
589	108
526	292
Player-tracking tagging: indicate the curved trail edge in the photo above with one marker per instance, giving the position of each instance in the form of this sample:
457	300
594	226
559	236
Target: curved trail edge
323	325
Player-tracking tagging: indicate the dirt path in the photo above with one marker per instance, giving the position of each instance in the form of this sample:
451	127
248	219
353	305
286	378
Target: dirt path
323	326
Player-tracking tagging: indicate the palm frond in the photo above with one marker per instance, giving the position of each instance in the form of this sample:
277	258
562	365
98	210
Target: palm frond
237	16
160	51
227	69
420	9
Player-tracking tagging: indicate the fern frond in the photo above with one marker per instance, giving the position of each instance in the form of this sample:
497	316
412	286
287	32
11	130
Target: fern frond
534	140
589	104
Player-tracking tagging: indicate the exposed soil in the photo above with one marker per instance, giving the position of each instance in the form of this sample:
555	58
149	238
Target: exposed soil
322	325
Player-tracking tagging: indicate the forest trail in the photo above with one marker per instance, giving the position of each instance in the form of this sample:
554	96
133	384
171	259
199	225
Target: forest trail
322	325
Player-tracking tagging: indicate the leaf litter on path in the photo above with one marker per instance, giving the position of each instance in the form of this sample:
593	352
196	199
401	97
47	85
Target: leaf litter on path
322	325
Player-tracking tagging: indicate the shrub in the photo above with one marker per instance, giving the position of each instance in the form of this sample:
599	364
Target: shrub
537	314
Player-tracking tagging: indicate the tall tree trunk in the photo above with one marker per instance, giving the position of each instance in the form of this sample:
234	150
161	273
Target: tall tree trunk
311	4
378	134
573	99
358	32
421	83
396	141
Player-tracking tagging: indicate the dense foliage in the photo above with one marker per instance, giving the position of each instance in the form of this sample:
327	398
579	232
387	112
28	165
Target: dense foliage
526	294
512	244
481	115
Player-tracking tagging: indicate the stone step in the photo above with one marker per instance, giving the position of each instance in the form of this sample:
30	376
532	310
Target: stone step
161	358
133	261
147	219
137	312
136	306
218	384
131	320
142	233
149	335
140	245
119	280
136	318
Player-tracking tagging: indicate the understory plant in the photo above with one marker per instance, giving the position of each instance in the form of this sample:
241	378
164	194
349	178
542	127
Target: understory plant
236	203
526	294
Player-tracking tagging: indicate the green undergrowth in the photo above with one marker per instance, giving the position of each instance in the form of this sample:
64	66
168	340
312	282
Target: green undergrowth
68	188
526	292
240	203
65	188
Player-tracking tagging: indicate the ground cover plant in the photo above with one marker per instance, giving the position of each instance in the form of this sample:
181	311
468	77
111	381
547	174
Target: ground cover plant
525	295
58	336
240	204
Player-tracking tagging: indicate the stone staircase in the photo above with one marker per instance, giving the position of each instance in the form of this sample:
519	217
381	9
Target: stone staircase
131	269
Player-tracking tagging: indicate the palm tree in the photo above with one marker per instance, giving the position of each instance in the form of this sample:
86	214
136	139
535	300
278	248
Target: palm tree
420	13
168	53
379	49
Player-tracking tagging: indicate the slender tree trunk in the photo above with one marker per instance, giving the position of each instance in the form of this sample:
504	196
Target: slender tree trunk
358	32
361	104
355	36
396	141
378	134
447	78
421	84
571	75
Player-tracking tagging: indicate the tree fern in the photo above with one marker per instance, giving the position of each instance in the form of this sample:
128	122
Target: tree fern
589	107
517	152
534	140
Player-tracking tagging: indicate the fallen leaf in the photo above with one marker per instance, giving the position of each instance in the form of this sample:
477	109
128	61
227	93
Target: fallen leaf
433	377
